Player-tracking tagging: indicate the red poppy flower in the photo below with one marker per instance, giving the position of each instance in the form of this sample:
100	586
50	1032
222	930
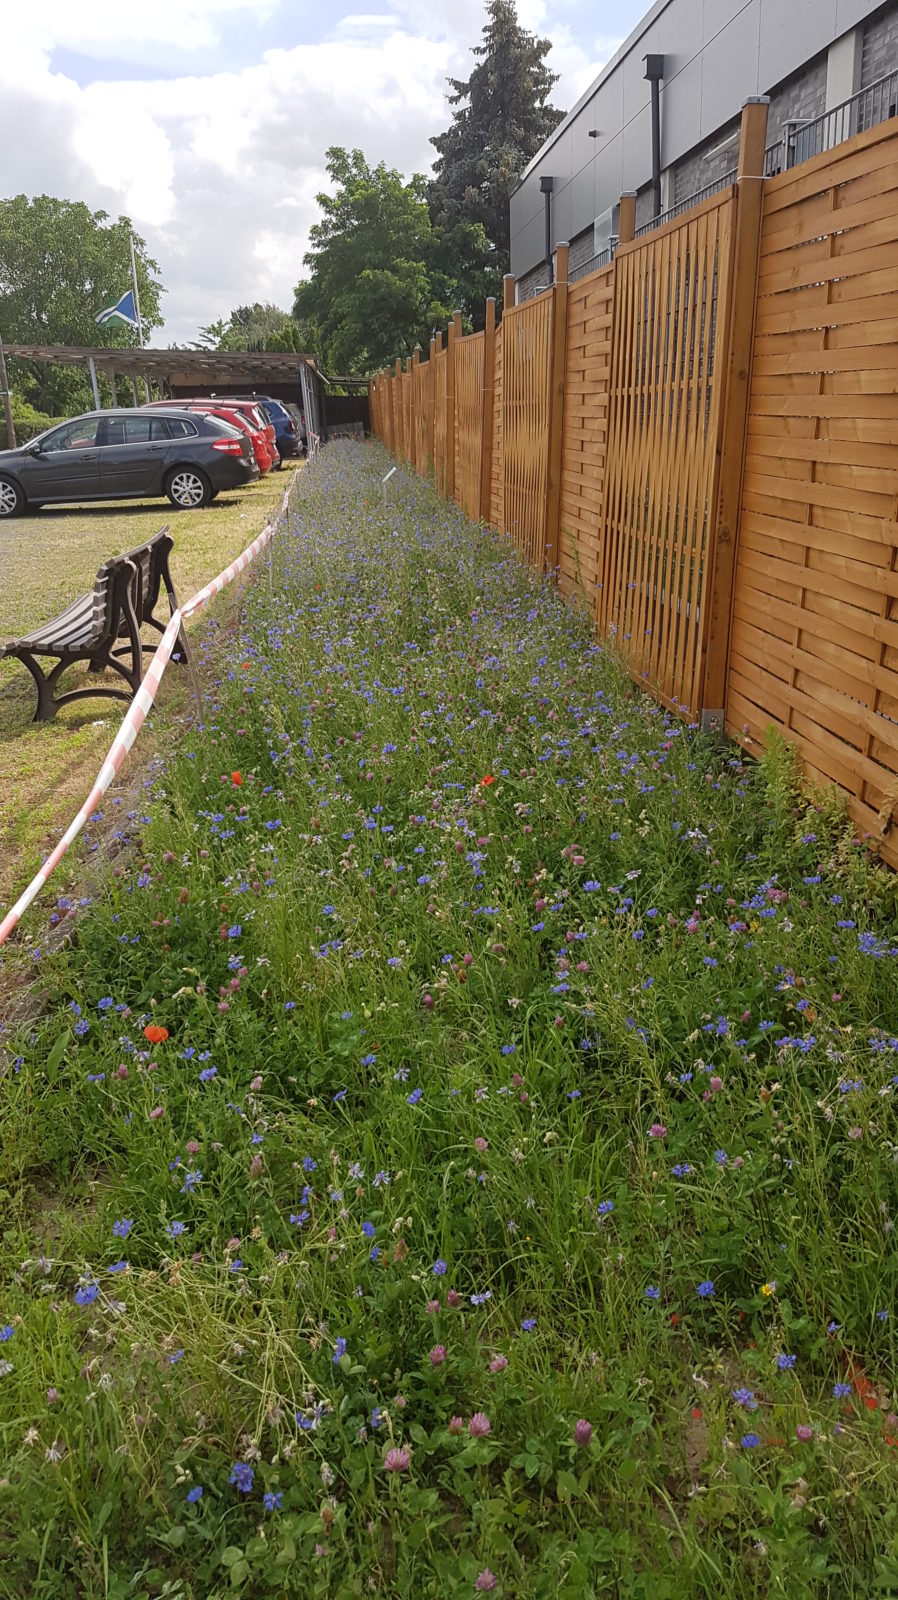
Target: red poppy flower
696	1412
236	779
154	1034
485	782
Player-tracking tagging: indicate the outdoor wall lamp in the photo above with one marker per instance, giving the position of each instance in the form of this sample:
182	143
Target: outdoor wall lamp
654	71
546	185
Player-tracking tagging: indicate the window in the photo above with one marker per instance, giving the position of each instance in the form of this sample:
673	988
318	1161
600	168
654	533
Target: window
145	430
78	435
180	428
111	431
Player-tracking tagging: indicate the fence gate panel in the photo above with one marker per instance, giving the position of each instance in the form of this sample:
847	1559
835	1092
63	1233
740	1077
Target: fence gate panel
420	379
468	421
814	643
526	348
585	436
671	307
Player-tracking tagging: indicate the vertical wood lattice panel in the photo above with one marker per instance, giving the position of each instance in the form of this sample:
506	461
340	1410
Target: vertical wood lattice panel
669	347
497	485
468	422
586	397
440	443
420	379
814	645
526	332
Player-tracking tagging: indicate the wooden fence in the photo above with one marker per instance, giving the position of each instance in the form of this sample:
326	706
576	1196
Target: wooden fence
700	439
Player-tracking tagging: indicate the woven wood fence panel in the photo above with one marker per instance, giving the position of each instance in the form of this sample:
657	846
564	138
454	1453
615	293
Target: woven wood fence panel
814	646
525	399
468	422
586	398
497	479
661	481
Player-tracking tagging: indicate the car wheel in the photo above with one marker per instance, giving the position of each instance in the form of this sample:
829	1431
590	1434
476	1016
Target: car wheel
188	488
12	500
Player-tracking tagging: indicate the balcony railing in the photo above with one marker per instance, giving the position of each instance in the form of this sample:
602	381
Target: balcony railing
594	264
723	182
803	139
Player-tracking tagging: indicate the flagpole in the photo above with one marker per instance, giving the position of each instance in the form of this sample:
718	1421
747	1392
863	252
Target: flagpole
7	400
137	304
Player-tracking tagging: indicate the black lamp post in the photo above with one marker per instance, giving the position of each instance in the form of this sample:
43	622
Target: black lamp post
654	71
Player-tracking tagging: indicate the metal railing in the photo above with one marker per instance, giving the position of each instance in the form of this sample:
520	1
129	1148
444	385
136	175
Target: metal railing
594	264
803	138
723	182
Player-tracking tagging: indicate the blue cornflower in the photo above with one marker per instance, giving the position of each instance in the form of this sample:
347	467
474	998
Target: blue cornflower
87	1294
175	1357
653	1292
118	1266
605	1207
368	1061
841	1390
481	1299
746	1399
750	1441
438	1268
123	1227
6	1333
376	1417
242	1476
528	1324
309	1165
785	1363
271	1500
706	1289
236	1265
339	1350
681	1170
175	1229
721	1157
374	1253
368	1230
191	1179
194	1494
508	1049
207	1074
882	1316
415	1096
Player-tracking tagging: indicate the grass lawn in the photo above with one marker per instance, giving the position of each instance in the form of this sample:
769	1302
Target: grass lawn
48	559
459	1153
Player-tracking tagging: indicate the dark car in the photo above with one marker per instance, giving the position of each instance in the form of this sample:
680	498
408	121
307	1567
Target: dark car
127	455
289	442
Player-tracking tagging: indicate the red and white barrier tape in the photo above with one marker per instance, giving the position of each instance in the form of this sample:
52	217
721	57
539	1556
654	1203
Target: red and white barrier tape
134	719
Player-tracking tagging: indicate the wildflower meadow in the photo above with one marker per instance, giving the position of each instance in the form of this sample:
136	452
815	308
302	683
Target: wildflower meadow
457	1153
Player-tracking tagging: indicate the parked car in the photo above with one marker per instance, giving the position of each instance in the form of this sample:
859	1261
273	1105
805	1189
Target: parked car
254	414
127	455
288	437
237	419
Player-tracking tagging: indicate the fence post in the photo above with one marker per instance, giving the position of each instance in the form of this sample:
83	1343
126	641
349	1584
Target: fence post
486	415
557	360
454	330
398	420
508	285
737	380
431	404
627	224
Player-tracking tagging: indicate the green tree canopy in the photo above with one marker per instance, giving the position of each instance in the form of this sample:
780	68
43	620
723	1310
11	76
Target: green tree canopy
61	263
502	119
381	278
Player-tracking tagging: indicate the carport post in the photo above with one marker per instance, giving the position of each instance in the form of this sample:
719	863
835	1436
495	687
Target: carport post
7	401
93	382
111	377
134	389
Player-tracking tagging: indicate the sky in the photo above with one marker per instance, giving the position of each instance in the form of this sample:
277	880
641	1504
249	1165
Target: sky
207	121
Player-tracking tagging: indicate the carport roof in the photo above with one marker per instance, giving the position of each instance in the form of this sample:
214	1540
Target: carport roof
211	366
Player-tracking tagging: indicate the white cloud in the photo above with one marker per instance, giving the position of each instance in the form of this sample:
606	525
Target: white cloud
219	169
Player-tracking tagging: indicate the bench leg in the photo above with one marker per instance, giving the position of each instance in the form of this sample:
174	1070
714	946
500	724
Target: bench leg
45	683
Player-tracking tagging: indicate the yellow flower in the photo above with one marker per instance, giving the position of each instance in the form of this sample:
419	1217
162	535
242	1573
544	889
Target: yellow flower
768	1289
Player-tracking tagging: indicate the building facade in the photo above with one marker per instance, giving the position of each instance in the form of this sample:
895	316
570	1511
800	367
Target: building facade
809	56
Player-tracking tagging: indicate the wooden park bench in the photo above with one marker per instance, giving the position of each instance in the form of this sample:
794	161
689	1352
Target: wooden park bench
124	598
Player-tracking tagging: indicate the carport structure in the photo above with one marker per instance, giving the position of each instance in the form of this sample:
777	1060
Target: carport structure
181	373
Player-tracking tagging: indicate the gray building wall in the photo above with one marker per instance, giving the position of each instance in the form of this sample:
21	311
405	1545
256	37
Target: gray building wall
808	55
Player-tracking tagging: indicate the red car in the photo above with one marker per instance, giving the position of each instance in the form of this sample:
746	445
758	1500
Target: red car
237	418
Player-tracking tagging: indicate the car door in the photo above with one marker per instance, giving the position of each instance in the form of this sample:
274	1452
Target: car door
132	455
66	464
